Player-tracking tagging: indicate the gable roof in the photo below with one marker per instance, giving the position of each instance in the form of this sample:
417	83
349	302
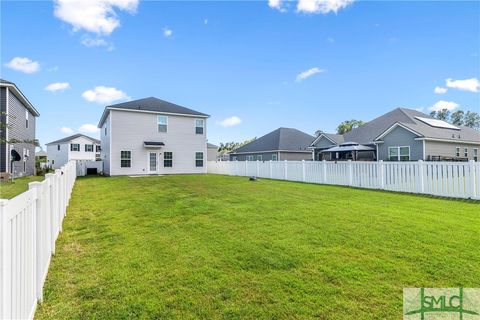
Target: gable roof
75	136
211	146
285	139
14	89
334	138
407	119
151	104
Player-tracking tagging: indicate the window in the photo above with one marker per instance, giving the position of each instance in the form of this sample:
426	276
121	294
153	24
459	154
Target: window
399	153
98	149
58	147
125	159
74	147
162	122
24	160
199	159
465	152
249	158
26	118
234	158
274	157
259	157
458	152
89	148
199	125
53	162
475	154
168	159
105	130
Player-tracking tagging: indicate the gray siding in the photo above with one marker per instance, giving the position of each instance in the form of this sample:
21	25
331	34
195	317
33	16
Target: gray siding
17	130
3	131
295	156
324	143
266	156
282	155
449	149
399	137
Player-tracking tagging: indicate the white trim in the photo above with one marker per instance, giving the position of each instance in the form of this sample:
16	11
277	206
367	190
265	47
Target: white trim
166	117
317	138
475	154
448	140
148	161
259	157
423	150
110	147
203	127
457	152
7	146
276	157
203	159
131	160
393	126
465	154
398	147
21	97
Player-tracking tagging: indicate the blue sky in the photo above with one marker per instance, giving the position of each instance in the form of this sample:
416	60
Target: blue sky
241	62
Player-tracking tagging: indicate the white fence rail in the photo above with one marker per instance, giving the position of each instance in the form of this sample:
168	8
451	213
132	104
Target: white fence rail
448	179
29	225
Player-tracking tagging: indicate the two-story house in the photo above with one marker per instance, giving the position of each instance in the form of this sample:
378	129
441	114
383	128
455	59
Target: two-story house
17	131
152	136
76	147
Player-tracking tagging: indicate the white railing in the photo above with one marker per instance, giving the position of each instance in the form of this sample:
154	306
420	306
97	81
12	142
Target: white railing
448	179
29	225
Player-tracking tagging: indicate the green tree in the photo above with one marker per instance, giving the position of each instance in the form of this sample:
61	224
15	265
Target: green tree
230	146
348	125
443	114
456	118
472	120
318	132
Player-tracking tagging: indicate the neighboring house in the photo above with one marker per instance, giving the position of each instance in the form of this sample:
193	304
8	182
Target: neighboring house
152	136
76	147
18	117
212	152
280	144
401	135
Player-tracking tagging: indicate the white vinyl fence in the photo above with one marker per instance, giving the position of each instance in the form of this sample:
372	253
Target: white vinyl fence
448	179
29	225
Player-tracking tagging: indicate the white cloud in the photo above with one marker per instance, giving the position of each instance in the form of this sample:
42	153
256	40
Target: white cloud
97	42
57	86
277	4
104	95
331	40
322	6
442	104
230	122
88	128
308	73
97	16
205	21
440	90
66	130
167	32
25	65
471	85
53	69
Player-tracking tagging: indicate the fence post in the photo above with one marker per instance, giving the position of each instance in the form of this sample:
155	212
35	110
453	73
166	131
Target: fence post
350	172
324	167
6	258
246	170
256	169
51	210
271	169
303	170
421	183
37	247
471	167
381	174
286	170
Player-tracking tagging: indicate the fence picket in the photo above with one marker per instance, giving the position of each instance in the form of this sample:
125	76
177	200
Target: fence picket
30	223
449	179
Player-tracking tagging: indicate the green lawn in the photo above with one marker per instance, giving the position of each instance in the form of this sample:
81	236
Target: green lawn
219	247
10	189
